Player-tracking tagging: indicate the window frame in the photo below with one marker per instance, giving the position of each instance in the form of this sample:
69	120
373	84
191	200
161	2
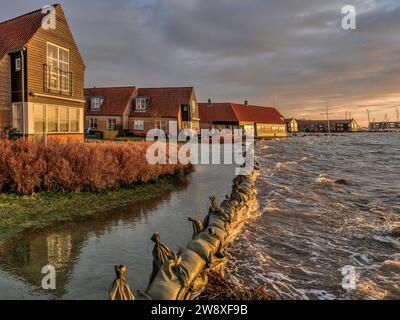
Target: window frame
136	127
58	70
138	102
18	65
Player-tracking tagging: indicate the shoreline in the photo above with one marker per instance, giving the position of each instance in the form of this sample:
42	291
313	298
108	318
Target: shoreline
20	214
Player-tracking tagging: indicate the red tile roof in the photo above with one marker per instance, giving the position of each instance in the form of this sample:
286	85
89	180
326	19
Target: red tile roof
116	100
222	112
233	112
16	33
165	101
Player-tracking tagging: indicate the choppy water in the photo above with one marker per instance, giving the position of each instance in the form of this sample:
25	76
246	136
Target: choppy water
310	227
327	203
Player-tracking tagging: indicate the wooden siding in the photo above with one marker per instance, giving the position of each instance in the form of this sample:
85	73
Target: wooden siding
37	57
5	93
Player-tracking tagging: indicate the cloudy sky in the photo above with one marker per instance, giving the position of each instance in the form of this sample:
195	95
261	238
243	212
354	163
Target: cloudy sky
290	53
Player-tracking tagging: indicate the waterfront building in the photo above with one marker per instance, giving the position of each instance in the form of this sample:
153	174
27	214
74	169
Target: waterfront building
41	77
266	122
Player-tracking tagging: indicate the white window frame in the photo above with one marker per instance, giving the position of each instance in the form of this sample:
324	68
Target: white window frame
93	123
15	118
57	71
139	102
138	125
17	64
95	103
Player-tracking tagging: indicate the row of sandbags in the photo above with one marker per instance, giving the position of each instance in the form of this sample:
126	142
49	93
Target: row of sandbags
180	276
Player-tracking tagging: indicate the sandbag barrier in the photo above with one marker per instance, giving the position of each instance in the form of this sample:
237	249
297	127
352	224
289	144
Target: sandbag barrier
184	275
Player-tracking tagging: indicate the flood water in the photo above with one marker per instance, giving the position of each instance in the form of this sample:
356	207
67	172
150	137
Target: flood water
84	252
327	203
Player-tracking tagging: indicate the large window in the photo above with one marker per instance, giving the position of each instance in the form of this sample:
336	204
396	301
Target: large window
138	125
39	117
58	63
52	118
17	116
74	119
63	119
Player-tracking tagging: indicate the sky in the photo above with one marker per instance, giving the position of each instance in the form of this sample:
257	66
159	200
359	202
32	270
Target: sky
292	54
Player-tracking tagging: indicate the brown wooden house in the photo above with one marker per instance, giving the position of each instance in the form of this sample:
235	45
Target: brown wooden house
41	77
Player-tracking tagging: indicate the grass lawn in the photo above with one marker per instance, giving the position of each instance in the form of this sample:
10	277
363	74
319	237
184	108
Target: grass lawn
22	213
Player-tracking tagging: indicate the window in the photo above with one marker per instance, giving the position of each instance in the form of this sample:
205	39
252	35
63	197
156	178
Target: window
52	118
39	118
112	125
141	104
58	64
63	119
74	119
96	103
138	125
18	64
17	116
93	123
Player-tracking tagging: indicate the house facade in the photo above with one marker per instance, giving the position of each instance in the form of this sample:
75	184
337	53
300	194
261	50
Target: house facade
157	107
341	125
41	77
108	109
291	125
266	122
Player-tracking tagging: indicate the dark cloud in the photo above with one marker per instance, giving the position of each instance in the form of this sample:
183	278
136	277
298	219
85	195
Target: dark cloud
290	52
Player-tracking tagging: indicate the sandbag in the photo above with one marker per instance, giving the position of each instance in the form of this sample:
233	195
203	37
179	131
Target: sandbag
199	283
189	266
197	227
161	253
205	245
166	285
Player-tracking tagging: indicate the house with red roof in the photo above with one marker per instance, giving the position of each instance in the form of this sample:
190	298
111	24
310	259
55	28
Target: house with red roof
157	107
41	77
108	109
138	110
266	122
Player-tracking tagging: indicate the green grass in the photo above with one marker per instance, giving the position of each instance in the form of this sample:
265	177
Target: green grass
22	213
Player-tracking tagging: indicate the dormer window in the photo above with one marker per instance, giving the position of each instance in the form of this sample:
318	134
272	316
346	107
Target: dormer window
96	103
141	104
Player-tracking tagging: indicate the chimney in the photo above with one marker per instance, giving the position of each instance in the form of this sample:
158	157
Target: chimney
246	103
209	103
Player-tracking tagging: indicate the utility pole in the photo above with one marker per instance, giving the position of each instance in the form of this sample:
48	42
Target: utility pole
327	117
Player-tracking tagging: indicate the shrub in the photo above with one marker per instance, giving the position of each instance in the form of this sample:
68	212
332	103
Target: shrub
28	167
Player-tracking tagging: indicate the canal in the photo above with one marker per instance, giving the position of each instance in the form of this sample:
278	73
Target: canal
84	252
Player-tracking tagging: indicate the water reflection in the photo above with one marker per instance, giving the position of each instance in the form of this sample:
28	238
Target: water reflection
84	252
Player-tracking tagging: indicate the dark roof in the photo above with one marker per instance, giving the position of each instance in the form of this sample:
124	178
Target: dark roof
166	102
116	99
325	121
16	33
217	112
233	112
